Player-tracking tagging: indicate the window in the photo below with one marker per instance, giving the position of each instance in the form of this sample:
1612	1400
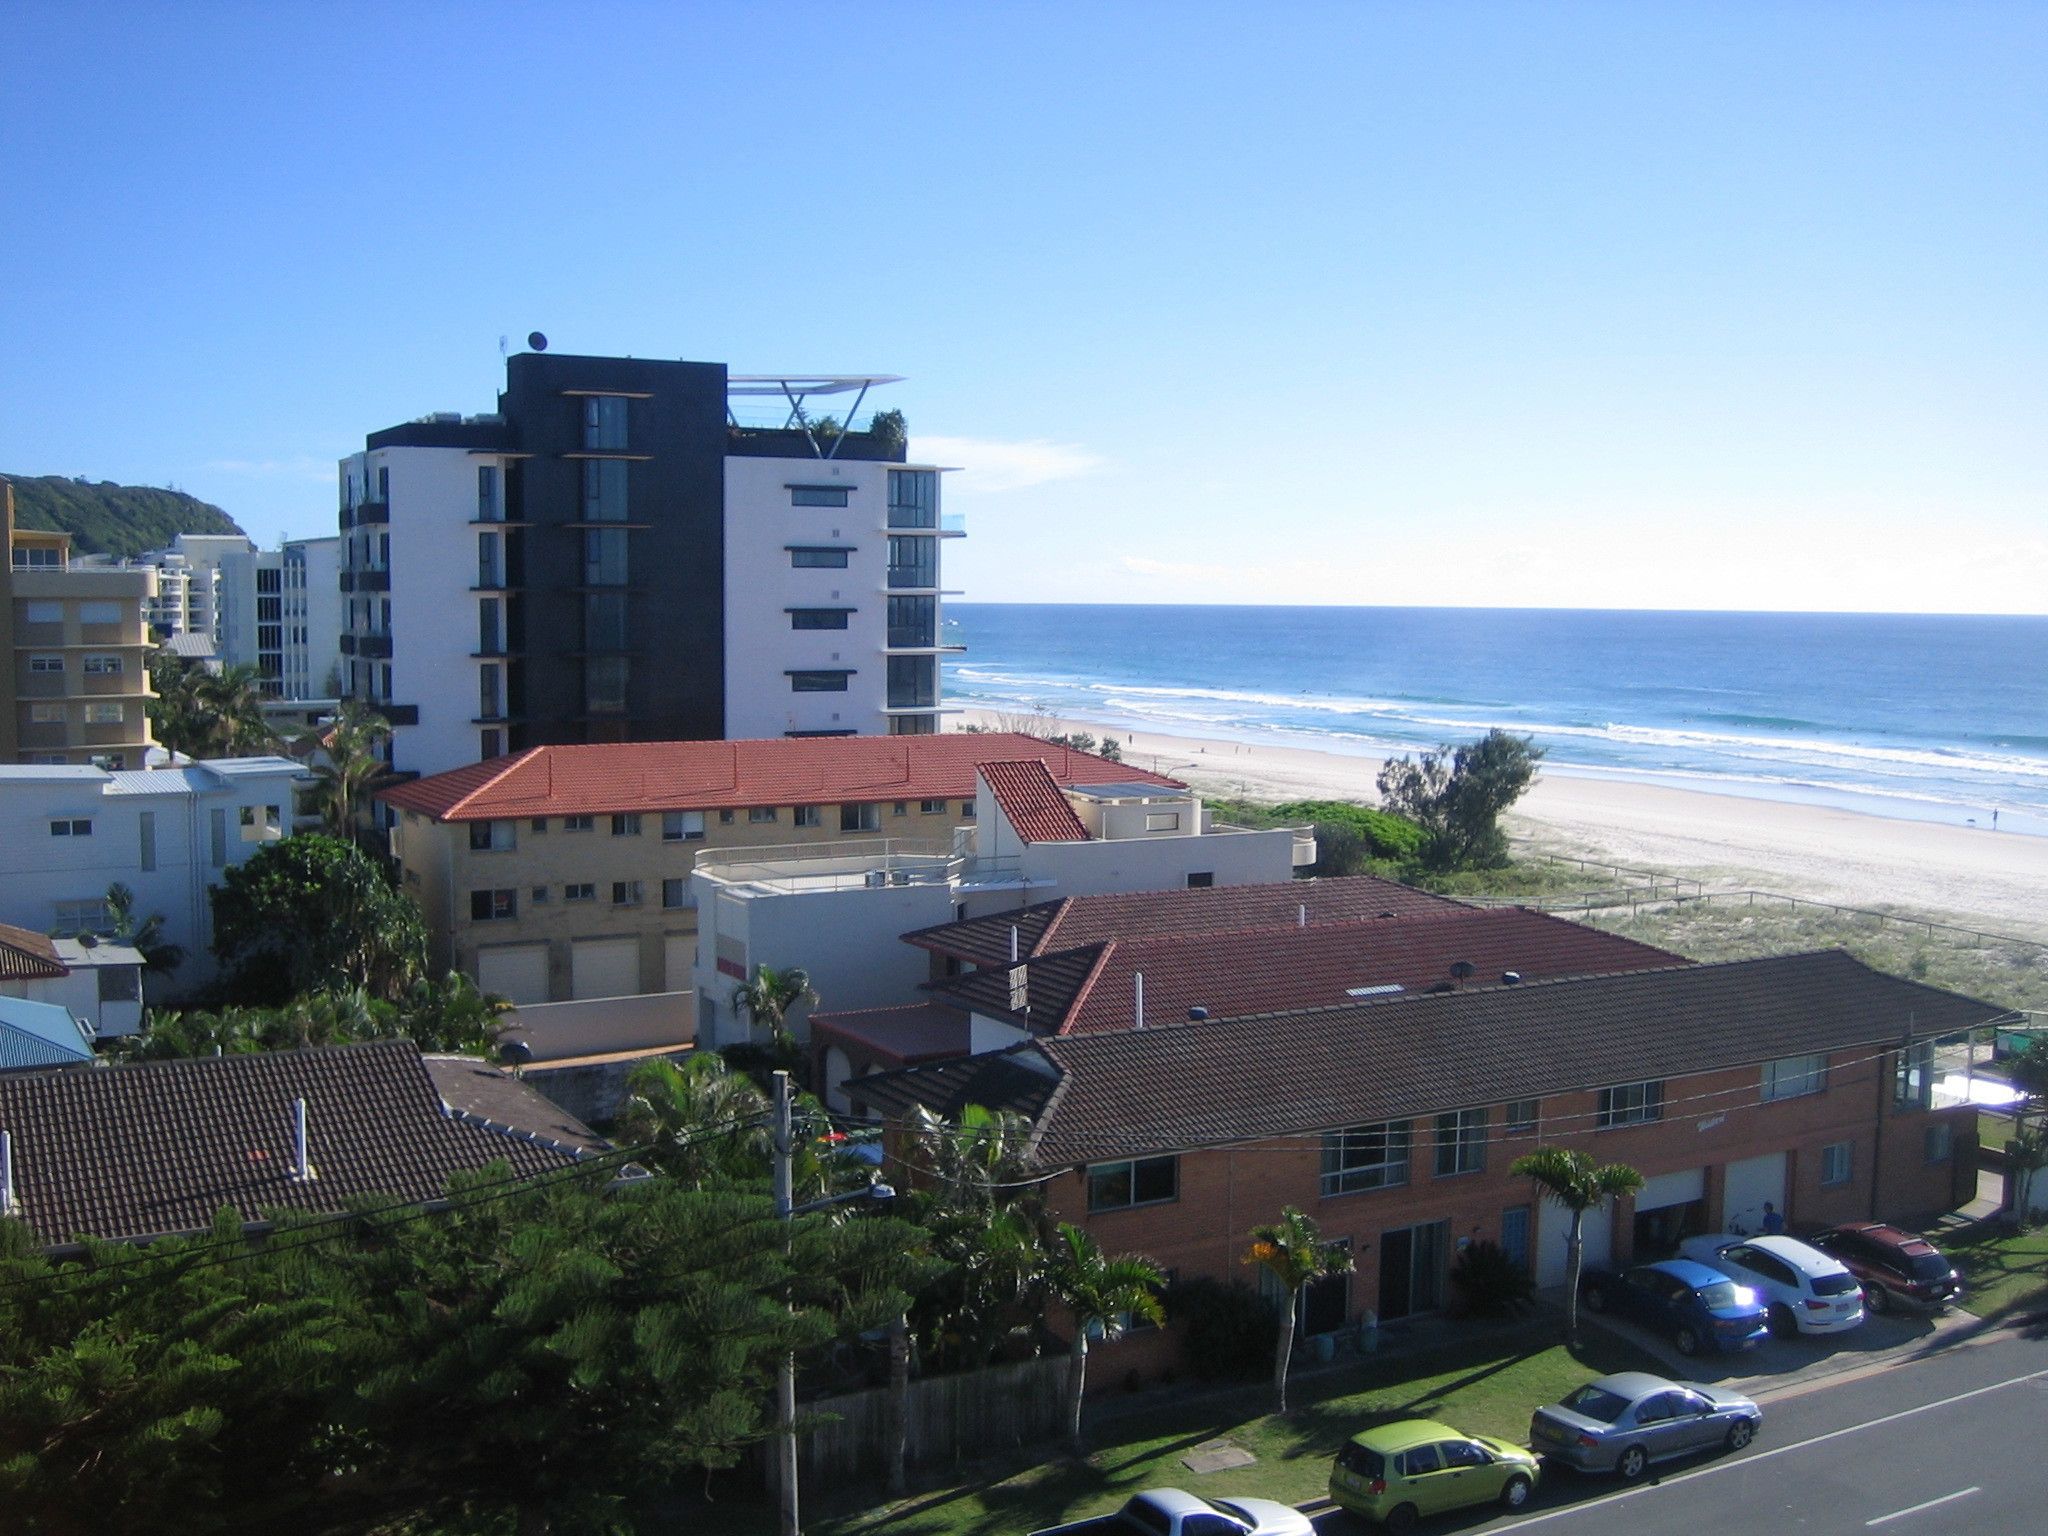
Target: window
913	621
43	612
864	817
46	714
604	490
807	816
967	810
1521	1117
46	664
490	837
79	826
260	823
1913	1083
626	824
488	634
625	893
760	813
1630	1104
1162	821
583	891
1365	1157
86	915
913	561
818	618
913	498
493	906
490	704
538	895
899	807
1937	1140
578	823
490	744
725	818
487	494
1835	1163
604	421
681	826
102	666
146	823
931	807
817	495
604	685
1793	1077
913	682
217	835
99	613
818	682
604	622
105	714
1423	1459
1514	1234
1460	1142
1201	879
675	894
539	824
490	567
808	557
1141	1181
604	557
38	559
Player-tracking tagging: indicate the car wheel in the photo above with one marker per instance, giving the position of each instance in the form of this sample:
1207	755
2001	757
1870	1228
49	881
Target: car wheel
1596	1299
1401	1519
1635	1461
1688	1341
1516	1493
1783	1323
1877	1298
1740	1433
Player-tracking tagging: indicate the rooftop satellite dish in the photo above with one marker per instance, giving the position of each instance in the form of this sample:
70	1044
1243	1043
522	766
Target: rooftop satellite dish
537	341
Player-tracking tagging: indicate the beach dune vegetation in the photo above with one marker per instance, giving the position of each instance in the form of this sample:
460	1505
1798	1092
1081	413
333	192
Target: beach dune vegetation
1457	795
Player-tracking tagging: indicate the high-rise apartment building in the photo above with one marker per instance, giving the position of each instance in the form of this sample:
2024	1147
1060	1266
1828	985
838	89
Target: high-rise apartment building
613	555
281	613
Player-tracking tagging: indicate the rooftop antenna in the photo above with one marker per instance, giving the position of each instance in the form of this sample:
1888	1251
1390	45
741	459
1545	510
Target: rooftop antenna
302	1162
537	341
1139	978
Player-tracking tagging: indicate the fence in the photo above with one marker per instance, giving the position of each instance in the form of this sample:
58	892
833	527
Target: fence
947	1418
1635	901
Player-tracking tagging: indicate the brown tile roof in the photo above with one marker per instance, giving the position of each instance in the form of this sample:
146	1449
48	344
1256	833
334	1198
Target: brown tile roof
1188	1085
1263	970
488	1094
27	956
1079	920
157	1148
1031	801
727	775
1012	1080
906	1035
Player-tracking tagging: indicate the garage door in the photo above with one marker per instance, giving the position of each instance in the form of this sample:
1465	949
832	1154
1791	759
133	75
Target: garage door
604	968
1750	1183
1672	1189
517	972
1554	1230
678	956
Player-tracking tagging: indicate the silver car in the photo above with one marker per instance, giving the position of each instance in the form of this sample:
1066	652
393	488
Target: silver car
1622	1423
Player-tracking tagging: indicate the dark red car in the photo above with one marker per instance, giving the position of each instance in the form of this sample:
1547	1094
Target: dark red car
1896	1268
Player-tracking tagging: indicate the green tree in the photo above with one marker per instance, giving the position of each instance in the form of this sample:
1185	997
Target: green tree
451	1014
699	1122
347	762
1577	1183
145	936
1457	795
766	999
1293	1252
1099	1294
312	914
230	706
175	717
2026	1153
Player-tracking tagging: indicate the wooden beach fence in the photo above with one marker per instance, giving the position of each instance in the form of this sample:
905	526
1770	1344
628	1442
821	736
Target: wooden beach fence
949	1418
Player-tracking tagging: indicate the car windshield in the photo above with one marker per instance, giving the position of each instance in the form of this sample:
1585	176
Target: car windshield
1726	1294
1593	1402
1238	1510
1927	1266
1356	1458
1833	1285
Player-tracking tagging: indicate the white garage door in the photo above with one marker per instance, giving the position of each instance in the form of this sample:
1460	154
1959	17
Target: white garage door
518	972
604	968
678	957
1553	1242
1672	1189
1750	1183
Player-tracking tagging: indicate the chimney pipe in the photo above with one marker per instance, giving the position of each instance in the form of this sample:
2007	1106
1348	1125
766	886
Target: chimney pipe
302	1162
1013	943
1139	979
8	1203
1301	915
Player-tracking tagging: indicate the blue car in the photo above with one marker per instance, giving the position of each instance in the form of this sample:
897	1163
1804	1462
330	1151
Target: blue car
1697	1307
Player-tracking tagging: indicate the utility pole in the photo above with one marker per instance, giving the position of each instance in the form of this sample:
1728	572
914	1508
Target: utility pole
788	1522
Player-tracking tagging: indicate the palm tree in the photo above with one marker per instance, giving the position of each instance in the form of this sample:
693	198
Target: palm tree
175	718
768	997
1574	1181
1101	1294
230	705
348	766
700	1121
1292	1250
144	937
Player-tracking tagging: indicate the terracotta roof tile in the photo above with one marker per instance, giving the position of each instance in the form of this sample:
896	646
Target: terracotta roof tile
27	956
1031	802
728	775
906	1035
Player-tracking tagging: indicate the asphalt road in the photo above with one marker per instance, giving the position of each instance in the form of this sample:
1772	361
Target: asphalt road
1955	1443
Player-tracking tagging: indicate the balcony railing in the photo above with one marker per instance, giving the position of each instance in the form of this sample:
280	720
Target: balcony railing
876	863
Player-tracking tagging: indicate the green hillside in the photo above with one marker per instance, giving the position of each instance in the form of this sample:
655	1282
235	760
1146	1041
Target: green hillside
108	519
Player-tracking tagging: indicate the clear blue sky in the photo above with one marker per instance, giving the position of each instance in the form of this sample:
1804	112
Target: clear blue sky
1641	304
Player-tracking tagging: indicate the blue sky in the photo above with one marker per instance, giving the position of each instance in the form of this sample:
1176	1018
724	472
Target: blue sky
1639	305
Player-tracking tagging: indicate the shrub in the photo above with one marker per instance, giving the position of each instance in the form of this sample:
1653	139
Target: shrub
1489	1283
1383	834
1228	1330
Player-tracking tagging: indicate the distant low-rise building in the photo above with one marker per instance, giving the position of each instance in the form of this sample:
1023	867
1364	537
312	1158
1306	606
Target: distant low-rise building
97	982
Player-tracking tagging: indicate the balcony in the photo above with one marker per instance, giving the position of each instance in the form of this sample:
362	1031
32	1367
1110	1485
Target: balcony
876	863
367	580
371	512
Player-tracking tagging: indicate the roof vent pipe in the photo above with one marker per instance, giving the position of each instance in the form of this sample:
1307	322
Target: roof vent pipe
1511	978
1138	978
1197	1013
9	1206
302	1162
1301	915
1013	943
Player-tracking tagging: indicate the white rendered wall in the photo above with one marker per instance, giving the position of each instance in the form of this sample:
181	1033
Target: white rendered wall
317	609
1161	863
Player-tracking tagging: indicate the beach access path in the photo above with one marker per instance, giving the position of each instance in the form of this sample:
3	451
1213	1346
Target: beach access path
1963	874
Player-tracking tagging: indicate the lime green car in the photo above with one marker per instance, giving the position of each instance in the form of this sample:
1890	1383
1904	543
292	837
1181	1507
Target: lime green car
1400	1472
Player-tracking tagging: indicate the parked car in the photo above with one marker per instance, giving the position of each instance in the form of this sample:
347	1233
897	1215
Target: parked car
1175	1512
1696	1307
1623	1423
1806	1290
1397	1473
1895	1268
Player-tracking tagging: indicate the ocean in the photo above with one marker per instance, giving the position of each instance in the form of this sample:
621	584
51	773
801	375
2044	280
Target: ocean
1928	717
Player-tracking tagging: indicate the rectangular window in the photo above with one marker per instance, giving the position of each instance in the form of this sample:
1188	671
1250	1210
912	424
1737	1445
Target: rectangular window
105	714
604	557
102	666
818	682
490	564
725	818
760	813
490	744
86	915
913	621
538	895
1140	1181
1913	1081
490	636
863	817
46	664
817	495
38	559
1201	879
539	824
493	906
932	807
626	824
625	893
147	823
675	895
818	618
604	621
79	826
604	421
681	826
1630	1104
913	560
585	890
1937	1141
604	685
1365	1157
1460	1142
99	613
1794	1077
217	835
490	703
42	612
578	823
1521	1117
913	682
490	837
1162	821
604	490
807	816
967	810
1514	1234
46	714
813	558
913	498
1835	1165
487	509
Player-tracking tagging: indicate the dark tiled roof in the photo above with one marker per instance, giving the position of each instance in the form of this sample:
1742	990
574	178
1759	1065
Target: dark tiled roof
994	1080
1264	970
486	1093
1187	1085
157	1148
906	1035
26	956
1032	803
1079	920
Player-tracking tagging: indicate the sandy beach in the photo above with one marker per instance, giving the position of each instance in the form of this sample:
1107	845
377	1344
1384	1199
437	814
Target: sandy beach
1971	875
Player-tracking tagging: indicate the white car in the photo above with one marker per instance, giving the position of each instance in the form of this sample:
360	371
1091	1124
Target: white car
1806	1289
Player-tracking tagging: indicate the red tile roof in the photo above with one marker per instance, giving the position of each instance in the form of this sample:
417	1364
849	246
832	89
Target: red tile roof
904	1036
728	775
26	956
1032	803
1232	974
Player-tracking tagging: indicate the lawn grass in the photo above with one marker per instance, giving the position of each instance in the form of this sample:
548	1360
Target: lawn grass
1993	1130
2004	1272
1485	1385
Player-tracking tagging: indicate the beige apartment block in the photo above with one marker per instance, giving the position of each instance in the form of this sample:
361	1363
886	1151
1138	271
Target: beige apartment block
76	686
